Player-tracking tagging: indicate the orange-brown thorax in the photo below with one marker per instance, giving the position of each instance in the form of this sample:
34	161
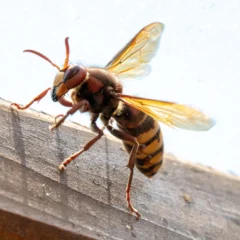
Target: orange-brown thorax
98	90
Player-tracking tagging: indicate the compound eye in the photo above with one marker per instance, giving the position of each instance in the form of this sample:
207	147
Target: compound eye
70	73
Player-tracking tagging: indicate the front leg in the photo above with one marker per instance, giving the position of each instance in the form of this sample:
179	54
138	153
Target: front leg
83	106
125	136
36	99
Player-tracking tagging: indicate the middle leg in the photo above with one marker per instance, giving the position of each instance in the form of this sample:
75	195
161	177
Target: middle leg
88	145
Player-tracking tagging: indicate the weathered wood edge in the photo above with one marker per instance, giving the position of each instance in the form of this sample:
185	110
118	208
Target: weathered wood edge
132	228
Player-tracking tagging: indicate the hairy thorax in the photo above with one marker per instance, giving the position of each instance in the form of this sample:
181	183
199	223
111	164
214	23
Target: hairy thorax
97	90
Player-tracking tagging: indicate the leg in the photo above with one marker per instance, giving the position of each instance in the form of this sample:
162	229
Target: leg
82	106
126	137
96	129
36	99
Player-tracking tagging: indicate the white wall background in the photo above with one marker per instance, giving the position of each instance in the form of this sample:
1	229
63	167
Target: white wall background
197	62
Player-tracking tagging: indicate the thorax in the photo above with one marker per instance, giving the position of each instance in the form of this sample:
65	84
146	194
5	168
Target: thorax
97	91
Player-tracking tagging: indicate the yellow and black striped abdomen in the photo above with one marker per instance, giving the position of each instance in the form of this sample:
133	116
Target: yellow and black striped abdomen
147	132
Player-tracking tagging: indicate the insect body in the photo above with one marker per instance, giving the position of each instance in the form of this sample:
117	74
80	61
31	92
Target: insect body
99	92
147	132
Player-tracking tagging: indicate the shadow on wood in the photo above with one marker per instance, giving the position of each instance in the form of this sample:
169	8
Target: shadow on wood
183	201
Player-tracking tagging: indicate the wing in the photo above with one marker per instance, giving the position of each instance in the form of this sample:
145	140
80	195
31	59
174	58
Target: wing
132	60
170	113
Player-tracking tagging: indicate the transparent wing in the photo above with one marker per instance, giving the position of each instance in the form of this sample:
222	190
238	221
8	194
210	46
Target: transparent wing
132	61
170	113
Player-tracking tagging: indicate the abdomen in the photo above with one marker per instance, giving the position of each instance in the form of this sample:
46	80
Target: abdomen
147	132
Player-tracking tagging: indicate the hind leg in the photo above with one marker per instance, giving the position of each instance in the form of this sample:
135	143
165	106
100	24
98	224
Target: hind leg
131	162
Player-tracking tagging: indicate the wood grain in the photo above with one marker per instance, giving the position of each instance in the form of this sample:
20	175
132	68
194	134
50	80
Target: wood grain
88	199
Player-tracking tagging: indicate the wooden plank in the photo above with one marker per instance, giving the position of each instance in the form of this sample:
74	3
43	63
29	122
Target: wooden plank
88	199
